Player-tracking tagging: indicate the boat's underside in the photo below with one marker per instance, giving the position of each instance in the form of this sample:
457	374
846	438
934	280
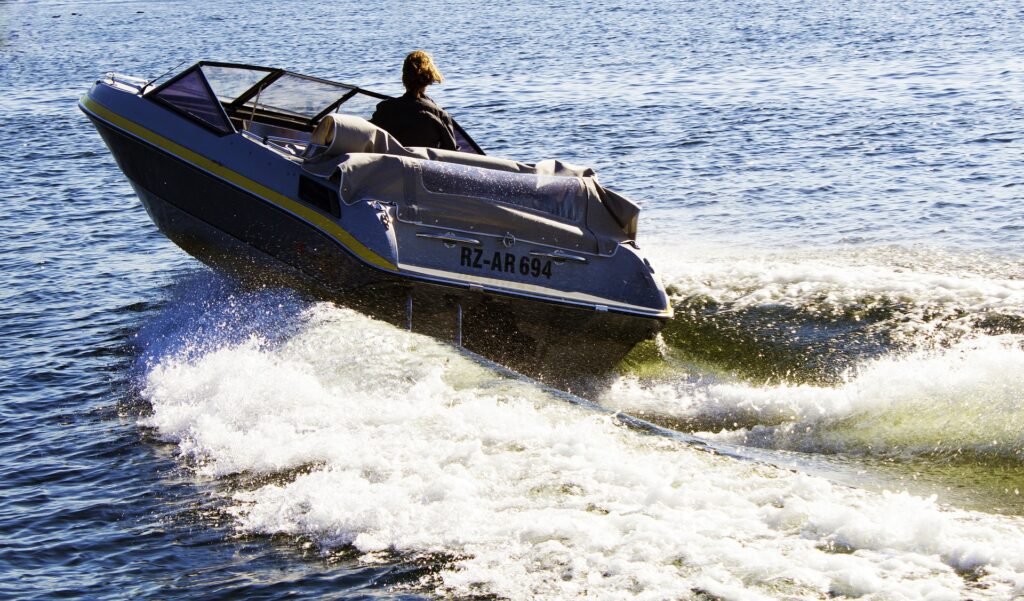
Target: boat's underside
240	233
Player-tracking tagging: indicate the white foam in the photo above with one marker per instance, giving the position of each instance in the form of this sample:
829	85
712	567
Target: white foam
968	398
925	288
408	447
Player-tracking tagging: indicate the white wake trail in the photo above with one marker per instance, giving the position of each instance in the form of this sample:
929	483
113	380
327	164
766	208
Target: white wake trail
409	448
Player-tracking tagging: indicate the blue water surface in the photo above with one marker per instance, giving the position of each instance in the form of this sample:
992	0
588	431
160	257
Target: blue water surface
774	124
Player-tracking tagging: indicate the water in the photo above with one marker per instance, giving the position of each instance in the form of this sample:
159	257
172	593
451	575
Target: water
832	193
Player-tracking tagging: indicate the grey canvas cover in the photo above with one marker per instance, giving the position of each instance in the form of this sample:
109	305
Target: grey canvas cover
550	202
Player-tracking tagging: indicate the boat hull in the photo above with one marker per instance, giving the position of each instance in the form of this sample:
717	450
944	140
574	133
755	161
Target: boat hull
239	233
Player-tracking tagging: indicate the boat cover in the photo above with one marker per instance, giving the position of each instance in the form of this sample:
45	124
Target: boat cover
551	202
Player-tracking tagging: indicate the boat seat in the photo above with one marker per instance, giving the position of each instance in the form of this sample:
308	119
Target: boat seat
344	134
338	134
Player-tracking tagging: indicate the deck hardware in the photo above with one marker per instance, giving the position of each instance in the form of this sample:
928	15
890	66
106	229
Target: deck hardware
558	256
450	239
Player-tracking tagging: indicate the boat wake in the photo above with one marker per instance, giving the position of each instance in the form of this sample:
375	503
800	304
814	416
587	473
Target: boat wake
816	317
888	352
326	426
967	399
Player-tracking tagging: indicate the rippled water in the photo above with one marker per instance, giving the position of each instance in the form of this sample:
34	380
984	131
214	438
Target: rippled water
832	193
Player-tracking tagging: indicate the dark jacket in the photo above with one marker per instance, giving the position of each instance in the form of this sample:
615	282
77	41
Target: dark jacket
416	121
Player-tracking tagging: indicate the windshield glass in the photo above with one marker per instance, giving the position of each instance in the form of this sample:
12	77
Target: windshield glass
191	95
299	96
360	105
228	83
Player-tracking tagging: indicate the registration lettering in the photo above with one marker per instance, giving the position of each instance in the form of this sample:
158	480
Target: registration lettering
503	262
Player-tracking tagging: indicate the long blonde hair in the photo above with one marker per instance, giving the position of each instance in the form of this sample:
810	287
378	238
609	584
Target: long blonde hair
419	71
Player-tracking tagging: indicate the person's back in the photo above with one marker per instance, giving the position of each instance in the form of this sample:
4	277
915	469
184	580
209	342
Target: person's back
413	118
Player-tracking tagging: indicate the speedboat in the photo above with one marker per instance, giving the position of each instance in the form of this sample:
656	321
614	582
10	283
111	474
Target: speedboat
279	177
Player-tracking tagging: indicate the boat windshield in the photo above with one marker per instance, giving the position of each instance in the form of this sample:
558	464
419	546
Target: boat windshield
301	98
284	93
252	94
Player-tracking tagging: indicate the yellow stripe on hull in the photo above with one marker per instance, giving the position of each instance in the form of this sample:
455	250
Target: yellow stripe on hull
239	180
